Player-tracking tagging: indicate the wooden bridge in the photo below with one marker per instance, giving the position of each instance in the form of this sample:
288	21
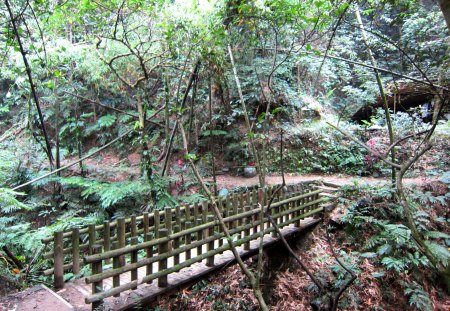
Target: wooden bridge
131	261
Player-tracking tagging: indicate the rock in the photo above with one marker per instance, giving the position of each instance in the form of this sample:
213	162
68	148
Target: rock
249	171
223	192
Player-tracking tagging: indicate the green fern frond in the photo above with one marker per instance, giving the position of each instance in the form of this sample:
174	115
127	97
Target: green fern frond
417	297
437	235
441	252
8	202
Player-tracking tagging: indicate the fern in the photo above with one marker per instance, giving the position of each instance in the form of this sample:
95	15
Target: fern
398	265
108	194
107	120
417	297
9	204
441	252
191	199
437	235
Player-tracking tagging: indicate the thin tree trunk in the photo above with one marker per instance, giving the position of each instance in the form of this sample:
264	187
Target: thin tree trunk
211	140
445	9
381	88
251	277
247	121
48	149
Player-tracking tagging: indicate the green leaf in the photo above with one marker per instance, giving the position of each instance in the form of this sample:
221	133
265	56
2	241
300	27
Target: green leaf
107	120
437	235
190	156
384	249
368	255
441	252
214	133
378	274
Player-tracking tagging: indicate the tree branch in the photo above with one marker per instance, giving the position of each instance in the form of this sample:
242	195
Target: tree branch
374	152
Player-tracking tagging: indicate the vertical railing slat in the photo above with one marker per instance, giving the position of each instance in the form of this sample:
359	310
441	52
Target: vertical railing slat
162	264
58	259
75	250
96	268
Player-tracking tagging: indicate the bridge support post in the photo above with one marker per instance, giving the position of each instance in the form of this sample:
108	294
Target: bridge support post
162	264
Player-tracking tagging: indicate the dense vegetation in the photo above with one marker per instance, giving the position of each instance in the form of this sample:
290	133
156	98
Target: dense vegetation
100	93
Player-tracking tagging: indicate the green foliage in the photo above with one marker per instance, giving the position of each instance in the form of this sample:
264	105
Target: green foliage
108	194
8	202
417	296
390	244
316	148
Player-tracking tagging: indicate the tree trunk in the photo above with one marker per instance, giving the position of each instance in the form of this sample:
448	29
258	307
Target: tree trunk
445	8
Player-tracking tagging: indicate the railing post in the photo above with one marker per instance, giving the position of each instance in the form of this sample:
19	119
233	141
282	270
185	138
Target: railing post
148	254
204	211
92	237
187	215
235	209
178	216
145	224
58	257
168	218
157	223
176	245
133	226
106	237
121	238
198	222
134	259
75	250
162	264
210	246
116	264
188	239
196	214
247	220
96	268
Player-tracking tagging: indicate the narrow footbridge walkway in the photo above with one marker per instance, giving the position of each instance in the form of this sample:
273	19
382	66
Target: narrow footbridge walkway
130	262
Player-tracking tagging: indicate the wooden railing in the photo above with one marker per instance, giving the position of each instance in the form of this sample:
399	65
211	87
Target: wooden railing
187	232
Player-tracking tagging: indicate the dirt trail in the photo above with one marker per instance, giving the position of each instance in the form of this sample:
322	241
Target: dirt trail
228	181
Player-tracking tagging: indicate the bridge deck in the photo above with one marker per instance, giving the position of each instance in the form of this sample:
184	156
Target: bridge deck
74	292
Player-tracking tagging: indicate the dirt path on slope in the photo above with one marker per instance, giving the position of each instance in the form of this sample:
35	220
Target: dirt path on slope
229	181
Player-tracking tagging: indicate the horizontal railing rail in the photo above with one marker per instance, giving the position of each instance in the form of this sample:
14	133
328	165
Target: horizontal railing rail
185	225
205	240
